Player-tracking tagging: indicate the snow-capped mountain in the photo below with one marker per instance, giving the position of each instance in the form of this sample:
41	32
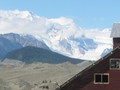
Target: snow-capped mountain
82	47
59	34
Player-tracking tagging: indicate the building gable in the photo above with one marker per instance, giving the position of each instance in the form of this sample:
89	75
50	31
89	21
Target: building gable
85	79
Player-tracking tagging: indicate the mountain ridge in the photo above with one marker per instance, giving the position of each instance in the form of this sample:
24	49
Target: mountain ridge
13	41
64	46
31	54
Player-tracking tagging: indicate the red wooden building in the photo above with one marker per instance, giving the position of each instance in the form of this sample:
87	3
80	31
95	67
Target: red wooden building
104	74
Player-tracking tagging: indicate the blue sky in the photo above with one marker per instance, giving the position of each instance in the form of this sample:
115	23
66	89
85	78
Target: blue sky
86	13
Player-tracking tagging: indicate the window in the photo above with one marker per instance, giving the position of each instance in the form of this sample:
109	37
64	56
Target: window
114	63
101	78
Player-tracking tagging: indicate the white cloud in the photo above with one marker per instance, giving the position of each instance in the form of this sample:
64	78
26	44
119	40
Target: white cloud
26	22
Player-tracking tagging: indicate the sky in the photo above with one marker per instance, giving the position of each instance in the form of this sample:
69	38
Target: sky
85	13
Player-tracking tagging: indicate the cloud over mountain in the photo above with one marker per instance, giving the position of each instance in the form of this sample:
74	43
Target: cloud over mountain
27	22
60	34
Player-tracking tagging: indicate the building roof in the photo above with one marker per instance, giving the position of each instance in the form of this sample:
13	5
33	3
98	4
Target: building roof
88	68
115	30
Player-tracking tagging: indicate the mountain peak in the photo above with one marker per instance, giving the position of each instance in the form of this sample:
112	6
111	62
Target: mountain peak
13	14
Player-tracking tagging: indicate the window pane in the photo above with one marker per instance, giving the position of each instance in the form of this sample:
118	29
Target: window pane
115	64
97	78
104	78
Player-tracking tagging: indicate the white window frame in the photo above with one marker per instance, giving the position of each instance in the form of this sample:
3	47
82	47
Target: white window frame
111	64
101	78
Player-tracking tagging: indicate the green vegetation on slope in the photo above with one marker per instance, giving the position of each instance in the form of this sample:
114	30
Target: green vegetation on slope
31	54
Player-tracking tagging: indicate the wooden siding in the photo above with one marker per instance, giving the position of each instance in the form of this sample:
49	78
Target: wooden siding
85	81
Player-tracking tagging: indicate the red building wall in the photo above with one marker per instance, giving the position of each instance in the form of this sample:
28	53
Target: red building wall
86	80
